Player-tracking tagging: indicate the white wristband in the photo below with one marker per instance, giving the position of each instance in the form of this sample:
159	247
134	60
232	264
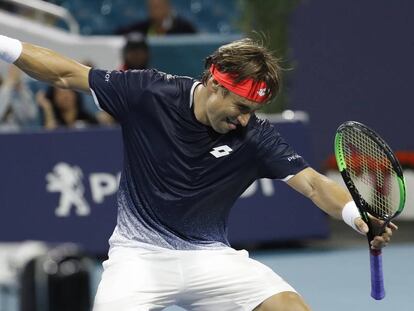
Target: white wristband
10	49
350	213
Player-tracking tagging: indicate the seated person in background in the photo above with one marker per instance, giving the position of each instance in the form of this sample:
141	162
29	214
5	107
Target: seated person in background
162	20
102	117
18	109
62	107
135	53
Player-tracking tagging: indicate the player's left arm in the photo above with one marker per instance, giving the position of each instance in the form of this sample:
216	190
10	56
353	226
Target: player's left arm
331	198
325	193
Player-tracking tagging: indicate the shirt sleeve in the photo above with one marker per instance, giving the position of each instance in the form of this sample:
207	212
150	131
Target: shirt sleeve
277	159
117	91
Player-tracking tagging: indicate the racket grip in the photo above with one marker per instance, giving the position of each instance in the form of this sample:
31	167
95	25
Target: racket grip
377	278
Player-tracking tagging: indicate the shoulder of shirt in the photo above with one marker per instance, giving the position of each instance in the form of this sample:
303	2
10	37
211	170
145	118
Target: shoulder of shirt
151	71
170	77
262	126
259	123
156	81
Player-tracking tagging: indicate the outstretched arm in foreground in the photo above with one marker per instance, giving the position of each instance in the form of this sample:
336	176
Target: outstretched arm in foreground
332	198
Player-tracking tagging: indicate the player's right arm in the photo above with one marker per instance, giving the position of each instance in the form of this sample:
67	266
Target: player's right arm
48	66
45	65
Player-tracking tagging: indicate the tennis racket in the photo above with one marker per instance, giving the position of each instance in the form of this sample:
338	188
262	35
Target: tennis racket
375	181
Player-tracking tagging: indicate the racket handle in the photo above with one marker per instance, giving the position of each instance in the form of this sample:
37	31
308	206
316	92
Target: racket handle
377	278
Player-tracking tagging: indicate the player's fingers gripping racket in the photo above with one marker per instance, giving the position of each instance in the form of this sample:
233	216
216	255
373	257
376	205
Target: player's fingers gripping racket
375	180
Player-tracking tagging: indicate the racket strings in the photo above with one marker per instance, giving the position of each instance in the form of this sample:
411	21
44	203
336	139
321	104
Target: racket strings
372	172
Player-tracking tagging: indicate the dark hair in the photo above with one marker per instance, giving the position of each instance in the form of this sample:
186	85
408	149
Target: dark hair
135	40
246	58
81	115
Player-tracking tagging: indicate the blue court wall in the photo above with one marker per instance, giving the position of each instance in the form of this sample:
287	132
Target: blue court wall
60	187
354	61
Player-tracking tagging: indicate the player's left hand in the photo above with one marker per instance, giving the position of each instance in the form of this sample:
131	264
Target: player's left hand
379	241
382	240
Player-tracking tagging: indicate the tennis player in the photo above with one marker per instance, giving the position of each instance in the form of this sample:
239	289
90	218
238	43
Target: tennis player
191	148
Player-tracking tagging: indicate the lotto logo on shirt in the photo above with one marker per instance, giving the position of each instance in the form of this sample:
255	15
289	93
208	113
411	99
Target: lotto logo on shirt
221	151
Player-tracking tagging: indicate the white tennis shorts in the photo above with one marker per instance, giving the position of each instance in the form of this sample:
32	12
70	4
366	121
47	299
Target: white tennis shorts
199	280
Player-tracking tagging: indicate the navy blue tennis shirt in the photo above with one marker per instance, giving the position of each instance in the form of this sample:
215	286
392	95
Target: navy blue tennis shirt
180	178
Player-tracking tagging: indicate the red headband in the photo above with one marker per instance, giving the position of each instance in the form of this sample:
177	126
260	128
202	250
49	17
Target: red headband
256	91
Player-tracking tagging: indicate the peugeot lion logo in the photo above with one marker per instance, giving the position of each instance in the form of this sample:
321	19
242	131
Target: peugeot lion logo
67	180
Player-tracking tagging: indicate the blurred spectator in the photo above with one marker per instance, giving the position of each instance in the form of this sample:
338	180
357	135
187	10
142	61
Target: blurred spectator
28	12
162	20
135	53
18	109
62	107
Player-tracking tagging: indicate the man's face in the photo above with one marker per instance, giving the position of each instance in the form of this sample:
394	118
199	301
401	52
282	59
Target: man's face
158	10
225	113
65	99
